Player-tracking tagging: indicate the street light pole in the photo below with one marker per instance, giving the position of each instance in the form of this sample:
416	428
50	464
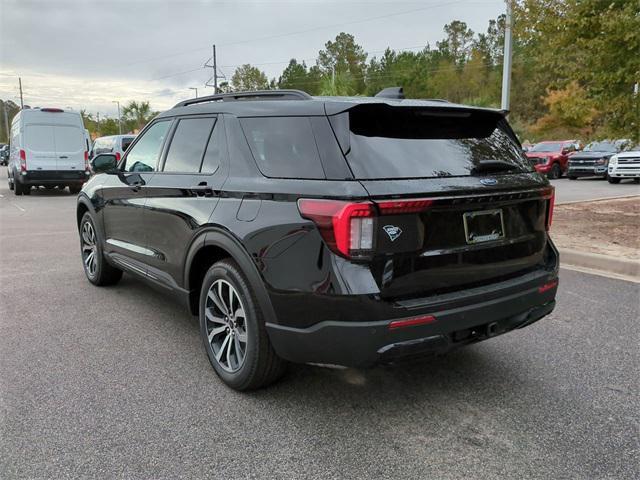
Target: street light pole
506	61
119	120
196	89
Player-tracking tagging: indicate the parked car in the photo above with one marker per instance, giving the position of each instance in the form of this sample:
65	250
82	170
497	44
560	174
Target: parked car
625	165
346	231
4	154
551	157
116	144
47	149
593	160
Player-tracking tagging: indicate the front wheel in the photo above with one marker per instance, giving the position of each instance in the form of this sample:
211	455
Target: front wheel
555	172
233	331
613	180
96	268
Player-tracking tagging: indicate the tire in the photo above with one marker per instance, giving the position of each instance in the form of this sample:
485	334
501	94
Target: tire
572	177
10	182
636	180
17	188
97	270
613	180
74	189
260	366
555	172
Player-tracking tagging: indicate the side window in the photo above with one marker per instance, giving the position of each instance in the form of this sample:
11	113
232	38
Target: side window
188	145
283	147
213	155
143	156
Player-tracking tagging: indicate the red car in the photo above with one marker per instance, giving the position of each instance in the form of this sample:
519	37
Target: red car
551	158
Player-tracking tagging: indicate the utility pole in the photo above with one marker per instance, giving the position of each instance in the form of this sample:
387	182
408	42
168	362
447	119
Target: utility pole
6	120
215	71
119	121
21	100
98	123
506	61
196	89
214	65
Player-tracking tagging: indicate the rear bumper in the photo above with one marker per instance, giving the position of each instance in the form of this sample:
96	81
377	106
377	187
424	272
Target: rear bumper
53	177
362	344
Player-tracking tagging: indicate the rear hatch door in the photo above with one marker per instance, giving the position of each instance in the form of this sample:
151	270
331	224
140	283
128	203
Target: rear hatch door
458	203
70	147
40	147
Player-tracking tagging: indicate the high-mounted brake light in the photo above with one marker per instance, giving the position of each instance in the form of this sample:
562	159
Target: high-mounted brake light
346	227
23	161
52	110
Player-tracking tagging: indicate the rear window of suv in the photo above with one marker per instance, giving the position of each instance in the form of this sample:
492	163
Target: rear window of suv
283	147
389	142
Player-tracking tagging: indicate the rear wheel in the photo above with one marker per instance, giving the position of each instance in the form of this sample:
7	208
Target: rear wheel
18	188
233	331
96	268
75	189
613	180
570	177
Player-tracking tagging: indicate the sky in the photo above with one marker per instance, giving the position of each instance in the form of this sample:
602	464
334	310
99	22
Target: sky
87	54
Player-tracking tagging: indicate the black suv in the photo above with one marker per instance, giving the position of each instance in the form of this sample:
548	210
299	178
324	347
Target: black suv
345	231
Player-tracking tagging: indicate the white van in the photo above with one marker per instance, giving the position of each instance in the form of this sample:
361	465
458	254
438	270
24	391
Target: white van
116	144
47	148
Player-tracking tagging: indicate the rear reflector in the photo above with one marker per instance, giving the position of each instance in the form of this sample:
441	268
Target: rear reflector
547	286
23	160
412	322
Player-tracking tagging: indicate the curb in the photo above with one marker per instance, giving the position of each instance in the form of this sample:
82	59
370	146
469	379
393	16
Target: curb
602	199
603	263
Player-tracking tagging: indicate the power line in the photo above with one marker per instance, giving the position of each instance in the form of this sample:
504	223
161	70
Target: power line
298	32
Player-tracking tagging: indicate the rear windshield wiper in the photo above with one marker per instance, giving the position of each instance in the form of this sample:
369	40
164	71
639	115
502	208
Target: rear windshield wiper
485	166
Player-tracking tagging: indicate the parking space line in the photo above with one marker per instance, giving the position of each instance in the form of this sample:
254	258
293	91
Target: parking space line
18	206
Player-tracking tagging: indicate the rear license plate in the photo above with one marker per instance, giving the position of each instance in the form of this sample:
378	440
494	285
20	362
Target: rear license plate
483	226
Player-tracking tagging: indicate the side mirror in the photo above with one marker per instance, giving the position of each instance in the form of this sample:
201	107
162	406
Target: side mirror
104	162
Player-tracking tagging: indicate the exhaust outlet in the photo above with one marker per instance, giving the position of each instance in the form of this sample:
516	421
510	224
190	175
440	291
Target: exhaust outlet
492	329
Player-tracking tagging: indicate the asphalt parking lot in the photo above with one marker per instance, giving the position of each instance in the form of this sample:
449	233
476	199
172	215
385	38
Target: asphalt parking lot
592	188
114	383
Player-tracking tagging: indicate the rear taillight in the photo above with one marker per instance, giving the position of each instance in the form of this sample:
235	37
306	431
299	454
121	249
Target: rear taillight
86	161
117	156
23	161
348	228
550	204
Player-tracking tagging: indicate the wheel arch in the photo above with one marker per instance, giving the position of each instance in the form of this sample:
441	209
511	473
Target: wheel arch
84	206
213	245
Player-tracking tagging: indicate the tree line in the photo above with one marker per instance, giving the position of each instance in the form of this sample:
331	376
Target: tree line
575	66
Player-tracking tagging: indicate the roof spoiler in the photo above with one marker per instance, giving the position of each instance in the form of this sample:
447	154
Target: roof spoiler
391	92
252	95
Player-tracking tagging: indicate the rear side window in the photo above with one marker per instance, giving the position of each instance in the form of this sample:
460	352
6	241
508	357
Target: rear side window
188	145
283	147
391	142
126	141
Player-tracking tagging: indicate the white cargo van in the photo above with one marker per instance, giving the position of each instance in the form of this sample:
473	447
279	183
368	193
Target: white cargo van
47	148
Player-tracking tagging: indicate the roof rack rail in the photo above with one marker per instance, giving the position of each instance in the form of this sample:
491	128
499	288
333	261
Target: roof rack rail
251	95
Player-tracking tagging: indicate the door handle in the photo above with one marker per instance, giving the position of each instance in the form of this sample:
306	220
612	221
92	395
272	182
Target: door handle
63	156
202	190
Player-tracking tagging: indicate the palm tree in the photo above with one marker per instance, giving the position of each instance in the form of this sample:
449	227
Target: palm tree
137	114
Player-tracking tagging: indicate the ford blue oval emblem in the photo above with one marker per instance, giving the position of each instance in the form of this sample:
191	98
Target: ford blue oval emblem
488	181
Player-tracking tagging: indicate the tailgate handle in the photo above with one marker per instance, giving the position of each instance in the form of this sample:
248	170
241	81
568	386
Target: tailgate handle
63	156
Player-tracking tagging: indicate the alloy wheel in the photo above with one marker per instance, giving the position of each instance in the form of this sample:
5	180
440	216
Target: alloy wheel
226	325
89	249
